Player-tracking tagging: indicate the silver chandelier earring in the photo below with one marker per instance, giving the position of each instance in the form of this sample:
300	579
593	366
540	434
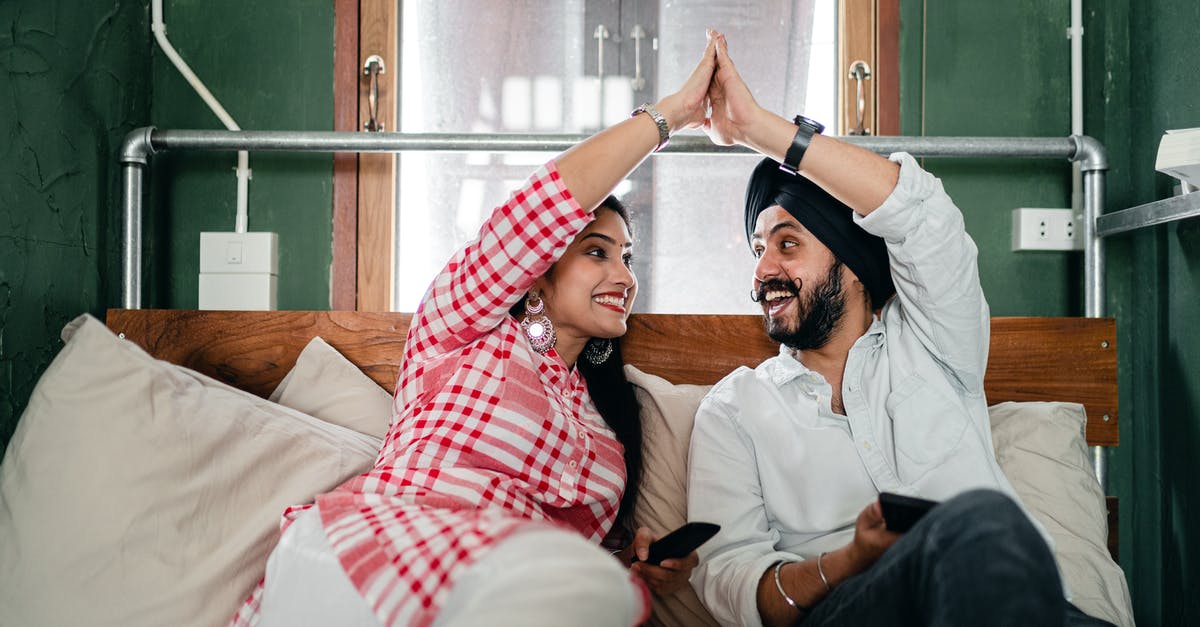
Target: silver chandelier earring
537	326
598	350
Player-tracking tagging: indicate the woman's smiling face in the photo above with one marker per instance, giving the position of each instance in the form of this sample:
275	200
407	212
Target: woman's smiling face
589	292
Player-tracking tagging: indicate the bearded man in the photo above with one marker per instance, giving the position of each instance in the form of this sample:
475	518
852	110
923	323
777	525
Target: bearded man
868	279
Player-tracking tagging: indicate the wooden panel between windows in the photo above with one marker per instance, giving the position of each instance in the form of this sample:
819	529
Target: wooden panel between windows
343	284
378	22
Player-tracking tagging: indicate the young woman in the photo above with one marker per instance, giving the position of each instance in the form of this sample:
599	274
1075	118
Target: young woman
515	446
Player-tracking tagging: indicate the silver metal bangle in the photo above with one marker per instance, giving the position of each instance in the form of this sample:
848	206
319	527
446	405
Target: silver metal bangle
821	572
779	586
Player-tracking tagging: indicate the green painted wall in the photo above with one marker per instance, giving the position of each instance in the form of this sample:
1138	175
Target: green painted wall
1157	276
963	76
74	79
270	64
971	68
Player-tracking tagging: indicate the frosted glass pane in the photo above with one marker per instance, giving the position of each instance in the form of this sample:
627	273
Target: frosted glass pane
519	66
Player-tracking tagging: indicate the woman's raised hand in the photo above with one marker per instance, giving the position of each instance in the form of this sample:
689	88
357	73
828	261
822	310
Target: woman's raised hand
733	106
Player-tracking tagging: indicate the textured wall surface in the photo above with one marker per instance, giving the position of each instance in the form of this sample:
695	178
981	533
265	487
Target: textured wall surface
270	64
74	79
1150	49
997	69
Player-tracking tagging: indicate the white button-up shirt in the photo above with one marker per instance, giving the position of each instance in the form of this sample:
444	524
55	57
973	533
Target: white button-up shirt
786	477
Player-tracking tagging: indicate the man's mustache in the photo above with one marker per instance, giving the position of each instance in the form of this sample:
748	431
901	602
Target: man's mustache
775	285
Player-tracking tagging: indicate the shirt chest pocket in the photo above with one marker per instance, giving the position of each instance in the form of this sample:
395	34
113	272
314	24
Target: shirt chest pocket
927	424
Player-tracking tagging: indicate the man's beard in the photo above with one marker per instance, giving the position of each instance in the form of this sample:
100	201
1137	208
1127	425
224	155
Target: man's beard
818	314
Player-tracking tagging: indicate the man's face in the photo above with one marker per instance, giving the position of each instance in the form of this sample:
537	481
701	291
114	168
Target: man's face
797	280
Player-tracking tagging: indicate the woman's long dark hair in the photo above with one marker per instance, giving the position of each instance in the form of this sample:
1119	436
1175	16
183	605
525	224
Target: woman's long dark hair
615	400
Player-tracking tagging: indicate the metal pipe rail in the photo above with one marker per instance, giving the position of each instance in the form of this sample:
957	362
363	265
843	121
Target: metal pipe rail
141	143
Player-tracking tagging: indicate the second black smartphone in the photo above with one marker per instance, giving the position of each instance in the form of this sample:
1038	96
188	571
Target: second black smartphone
901	512
681	542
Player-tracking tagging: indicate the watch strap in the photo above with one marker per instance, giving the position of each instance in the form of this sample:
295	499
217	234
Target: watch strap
664	131
805	129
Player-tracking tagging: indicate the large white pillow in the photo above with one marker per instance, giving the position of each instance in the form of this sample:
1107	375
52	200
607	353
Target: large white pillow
325	384
136	492
668	411
1040	446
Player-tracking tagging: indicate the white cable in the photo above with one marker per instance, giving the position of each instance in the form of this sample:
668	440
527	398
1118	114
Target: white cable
244	173
1075	33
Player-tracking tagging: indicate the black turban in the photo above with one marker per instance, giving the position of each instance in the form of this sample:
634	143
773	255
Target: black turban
825	217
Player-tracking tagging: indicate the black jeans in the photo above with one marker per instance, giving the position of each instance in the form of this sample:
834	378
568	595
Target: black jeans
973	560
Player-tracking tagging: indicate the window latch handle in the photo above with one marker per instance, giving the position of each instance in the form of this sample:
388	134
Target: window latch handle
373	67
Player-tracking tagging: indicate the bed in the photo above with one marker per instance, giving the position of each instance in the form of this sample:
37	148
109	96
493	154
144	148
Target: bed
159	505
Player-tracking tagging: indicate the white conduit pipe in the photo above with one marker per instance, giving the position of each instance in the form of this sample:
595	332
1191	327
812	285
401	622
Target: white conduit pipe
243	167
1075	34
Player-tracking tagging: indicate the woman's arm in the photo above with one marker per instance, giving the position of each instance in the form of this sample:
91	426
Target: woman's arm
526	235
593	168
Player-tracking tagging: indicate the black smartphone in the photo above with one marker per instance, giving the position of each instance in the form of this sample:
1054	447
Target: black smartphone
901	512
681	542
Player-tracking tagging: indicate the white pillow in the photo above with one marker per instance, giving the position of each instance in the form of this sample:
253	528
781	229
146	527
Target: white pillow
1040	446
136	492
668	411
325	384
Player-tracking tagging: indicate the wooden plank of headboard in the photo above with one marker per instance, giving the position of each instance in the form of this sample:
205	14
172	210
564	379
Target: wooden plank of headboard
254	350
1031	359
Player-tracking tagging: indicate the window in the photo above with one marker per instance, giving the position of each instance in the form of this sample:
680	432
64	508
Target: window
473	66
531	67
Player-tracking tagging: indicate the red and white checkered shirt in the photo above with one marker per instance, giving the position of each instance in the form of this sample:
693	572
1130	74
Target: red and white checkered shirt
488	434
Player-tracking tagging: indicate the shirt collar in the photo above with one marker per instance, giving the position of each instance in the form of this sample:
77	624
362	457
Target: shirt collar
785	367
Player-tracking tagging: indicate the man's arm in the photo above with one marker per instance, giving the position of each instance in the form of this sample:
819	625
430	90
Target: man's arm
736	576
853	175
933	261
809	581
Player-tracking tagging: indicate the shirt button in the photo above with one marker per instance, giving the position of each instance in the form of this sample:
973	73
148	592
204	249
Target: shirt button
572	464
566	393
866	445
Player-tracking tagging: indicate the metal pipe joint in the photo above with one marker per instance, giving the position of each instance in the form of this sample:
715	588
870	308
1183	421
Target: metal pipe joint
1089	153
137	147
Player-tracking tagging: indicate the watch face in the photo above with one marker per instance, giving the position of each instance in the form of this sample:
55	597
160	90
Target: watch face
809	122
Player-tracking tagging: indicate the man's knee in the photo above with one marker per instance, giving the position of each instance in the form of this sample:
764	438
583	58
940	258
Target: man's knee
981	518
986	507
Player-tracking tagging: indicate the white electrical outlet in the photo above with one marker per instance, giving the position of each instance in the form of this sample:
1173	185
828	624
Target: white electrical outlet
1046	229
239	271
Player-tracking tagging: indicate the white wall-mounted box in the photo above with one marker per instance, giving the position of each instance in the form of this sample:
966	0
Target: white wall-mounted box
238	271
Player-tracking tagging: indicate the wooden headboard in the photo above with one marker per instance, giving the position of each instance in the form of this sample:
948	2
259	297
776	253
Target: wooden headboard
1031	359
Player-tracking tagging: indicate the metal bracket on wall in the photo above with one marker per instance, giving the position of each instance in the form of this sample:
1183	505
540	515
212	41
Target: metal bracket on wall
1149	214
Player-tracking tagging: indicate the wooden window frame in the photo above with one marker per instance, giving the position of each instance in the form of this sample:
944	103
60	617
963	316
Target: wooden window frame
364	199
